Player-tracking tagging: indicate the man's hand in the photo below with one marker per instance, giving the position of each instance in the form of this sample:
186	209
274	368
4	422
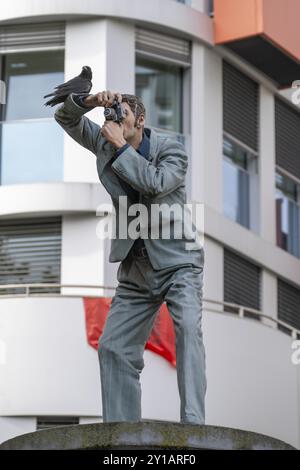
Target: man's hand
105	98
114	133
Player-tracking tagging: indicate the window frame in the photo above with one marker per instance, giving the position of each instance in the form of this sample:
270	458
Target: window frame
253	172
3	120
294	179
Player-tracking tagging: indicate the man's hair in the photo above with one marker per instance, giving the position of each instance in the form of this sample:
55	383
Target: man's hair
136	105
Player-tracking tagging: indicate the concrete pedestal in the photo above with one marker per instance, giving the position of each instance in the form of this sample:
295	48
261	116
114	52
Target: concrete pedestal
143	435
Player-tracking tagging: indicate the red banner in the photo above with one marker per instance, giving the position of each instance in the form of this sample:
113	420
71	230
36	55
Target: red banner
162	337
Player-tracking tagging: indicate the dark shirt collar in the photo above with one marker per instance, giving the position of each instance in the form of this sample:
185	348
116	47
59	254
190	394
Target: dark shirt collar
144	147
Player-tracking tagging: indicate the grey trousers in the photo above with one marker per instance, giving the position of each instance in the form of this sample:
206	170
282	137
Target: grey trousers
140	292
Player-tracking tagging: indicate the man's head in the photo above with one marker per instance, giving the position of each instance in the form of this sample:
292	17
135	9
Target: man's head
135	114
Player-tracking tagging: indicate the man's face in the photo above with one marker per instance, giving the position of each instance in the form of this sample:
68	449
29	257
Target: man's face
128	123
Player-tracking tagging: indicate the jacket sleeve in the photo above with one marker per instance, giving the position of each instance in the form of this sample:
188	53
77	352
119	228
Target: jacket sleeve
149	179
70	116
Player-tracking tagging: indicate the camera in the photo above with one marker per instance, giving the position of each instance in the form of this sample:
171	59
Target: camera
114	113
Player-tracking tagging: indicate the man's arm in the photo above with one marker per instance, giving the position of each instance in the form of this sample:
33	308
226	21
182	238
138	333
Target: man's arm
70	116
153	180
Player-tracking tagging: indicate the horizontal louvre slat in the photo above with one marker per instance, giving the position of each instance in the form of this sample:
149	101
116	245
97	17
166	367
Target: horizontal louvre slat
31	36
288	303
30	251
241	106
31	231
34	271
241	281
27	278
27	250
287	122
54	421
42	266
38	278
37	237
163	46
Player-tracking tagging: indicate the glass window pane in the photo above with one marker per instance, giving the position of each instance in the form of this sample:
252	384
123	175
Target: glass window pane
31	142
236	194
26	156
28	77
230	199
237	154
288	223
160	88
287	186
294	228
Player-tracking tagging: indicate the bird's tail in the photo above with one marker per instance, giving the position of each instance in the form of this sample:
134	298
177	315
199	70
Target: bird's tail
50	94
53	102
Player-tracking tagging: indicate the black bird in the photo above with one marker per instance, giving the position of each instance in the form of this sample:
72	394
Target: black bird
80	84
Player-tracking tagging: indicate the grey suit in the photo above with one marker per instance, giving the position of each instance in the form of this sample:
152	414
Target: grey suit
169	272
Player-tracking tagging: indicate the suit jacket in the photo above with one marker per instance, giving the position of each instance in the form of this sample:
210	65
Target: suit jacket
160	180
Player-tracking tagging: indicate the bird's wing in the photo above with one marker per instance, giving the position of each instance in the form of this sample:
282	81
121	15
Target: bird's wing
75	85
71	81
70	89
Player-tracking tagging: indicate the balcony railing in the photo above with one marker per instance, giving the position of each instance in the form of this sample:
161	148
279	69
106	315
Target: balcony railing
227	308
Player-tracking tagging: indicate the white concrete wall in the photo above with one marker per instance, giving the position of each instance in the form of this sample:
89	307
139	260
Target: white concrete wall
166	15
110	54
239	238
34	199
250	387
11	426
213	273
85	256
269	294
252	383
267	167
50	368
207	127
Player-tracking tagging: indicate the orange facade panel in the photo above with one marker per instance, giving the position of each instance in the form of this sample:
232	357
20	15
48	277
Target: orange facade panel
263	32
235	20
277	20
281	24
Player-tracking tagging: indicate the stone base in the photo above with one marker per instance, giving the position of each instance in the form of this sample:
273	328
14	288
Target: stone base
143	435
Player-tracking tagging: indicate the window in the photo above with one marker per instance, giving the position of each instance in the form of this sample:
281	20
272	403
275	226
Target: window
162	75
48	422
240	148
160	88
242	282
287	125
31	142
288	300
288	214
30	252
210	7
31	64
162	80
239	176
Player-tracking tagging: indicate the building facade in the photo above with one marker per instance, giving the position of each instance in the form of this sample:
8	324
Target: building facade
218	78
